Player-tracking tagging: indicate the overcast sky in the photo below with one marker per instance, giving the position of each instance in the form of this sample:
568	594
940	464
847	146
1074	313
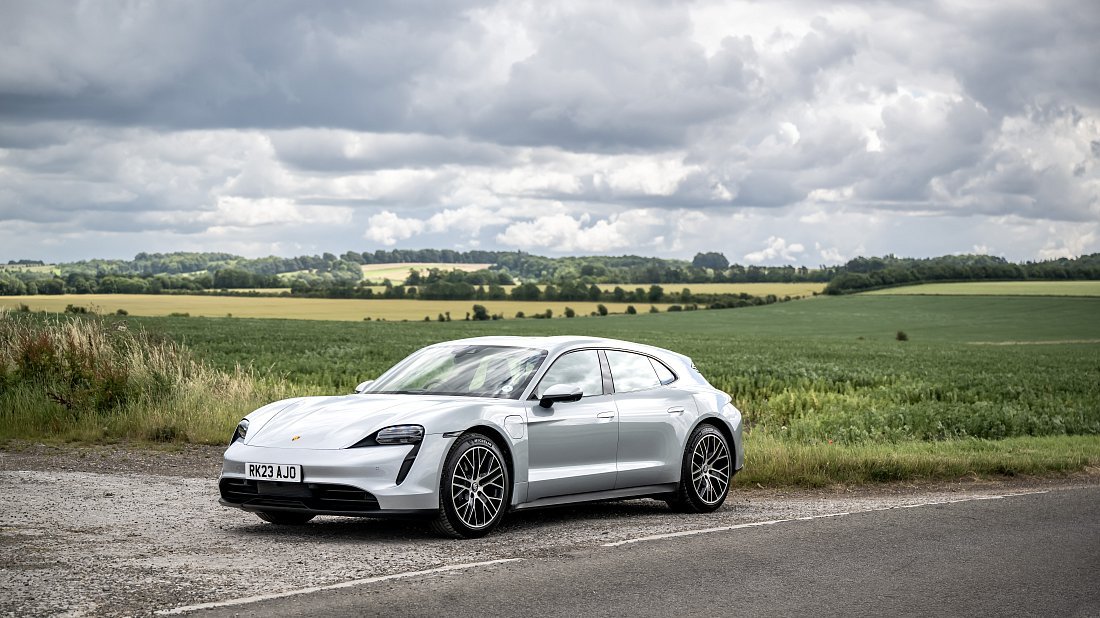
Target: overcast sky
774	132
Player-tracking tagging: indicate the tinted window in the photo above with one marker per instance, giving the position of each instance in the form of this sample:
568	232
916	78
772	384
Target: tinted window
631	372
663	373
575	369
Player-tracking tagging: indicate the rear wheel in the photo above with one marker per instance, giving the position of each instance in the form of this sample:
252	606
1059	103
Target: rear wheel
284	518
705	472
474	490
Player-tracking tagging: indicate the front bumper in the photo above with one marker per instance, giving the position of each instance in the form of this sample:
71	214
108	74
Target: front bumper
357	482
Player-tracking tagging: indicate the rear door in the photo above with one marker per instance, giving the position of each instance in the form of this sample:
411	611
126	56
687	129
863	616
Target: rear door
572	446
654	416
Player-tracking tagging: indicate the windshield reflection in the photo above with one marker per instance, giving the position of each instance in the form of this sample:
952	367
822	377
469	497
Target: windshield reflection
501	372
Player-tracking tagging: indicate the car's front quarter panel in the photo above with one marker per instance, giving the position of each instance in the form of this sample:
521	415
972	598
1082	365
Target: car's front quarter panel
375	468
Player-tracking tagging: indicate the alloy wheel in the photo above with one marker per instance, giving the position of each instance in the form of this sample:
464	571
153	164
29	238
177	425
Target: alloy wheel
710	468
477	487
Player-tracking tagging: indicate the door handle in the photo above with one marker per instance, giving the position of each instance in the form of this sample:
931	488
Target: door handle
606	416
676	410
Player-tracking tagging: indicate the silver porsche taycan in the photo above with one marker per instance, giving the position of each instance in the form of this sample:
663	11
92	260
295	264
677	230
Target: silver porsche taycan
464	431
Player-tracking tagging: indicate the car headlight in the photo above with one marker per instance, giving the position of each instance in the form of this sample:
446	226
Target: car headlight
241	431
400	434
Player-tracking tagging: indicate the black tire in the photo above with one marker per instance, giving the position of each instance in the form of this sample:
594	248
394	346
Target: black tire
284	518
475	488
705	472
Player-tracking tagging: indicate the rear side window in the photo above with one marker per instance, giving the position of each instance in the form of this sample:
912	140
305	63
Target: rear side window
631	372
575	369
664	374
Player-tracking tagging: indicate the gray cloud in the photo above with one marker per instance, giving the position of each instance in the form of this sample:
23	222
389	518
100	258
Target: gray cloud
279	126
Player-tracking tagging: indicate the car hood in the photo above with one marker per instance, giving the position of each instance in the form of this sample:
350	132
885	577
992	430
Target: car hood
339	422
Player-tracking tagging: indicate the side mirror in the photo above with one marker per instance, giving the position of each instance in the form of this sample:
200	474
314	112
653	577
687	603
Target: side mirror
560	392
363	386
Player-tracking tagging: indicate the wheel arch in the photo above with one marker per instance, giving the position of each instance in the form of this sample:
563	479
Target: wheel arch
721	426
498	438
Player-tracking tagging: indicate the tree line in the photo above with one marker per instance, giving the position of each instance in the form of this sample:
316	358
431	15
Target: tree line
863	274
572	278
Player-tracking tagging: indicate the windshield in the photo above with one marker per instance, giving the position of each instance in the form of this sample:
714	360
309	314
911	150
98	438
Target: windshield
466	370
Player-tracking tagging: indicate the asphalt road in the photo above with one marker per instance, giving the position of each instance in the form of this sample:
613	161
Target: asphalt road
1031	555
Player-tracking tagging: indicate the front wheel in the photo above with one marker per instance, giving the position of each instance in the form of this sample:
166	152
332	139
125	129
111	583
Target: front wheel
705	472
474	489
284	518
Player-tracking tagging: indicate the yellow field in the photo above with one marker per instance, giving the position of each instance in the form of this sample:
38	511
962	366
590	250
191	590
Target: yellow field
48	268
398	272
998	288
298	308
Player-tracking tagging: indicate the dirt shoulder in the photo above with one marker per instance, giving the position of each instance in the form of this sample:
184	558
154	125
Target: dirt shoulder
188	460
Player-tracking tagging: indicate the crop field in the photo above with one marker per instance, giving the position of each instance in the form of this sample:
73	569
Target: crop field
997	288
46	268
299	308
829	392
755	289
398	272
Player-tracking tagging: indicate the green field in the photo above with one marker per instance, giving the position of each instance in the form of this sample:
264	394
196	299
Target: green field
299	308
755	289
828	391
997	288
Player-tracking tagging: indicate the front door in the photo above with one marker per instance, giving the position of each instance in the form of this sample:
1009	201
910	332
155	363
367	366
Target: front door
572	446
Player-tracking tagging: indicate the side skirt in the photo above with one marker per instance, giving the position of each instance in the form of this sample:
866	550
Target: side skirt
644	491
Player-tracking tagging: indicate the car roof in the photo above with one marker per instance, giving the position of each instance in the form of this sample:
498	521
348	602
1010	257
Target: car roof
560	343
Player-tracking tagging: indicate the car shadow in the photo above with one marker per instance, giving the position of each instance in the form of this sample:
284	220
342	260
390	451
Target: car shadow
521	523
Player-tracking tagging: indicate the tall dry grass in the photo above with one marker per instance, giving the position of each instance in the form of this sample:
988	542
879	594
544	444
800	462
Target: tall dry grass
78	377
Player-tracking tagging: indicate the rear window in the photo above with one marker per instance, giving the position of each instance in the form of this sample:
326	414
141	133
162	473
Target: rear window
631	372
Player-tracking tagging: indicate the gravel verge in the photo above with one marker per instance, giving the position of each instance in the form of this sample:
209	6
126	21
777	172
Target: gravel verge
124	530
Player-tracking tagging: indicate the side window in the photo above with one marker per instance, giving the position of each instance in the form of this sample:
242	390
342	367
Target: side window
631	372
664	374
578	369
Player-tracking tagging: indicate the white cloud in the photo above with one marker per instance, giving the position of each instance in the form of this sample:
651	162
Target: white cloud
831	255
564	233
1071	242
245	212
776	249
388	228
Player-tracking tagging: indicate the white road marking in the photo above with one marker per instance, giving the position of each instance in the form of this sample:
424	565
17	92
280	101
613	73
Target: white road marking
348	584
672	535
469	565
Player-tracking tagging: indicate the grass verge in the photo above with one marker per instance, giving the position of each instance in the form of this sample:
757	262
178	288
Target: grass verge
772	462
93	380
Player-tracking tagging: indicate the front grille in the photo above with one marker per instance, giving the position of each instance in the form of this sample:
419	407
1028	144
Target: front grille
307	496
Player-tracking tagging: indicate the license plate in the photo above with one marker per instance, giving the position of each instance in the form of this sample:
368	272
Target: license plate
287	473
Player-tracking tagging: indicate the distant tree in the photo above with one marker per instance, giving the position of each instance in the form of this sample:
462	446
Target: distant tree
569	312
656	293
526	291
712	260
630	310
602	309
